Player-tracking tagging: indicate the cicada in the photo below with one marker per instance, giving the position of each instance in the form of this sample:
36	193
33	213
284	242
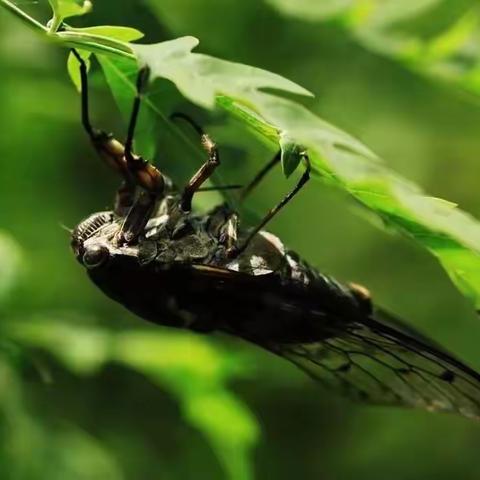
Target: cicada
207	273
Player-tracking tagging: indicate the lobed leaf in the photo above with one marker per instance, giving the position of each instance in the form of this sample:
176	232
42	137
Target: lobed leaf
452	236
246	92
201	77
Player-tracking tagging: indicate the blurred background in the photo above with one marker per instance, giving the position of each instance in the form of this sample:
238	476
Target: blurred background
89	391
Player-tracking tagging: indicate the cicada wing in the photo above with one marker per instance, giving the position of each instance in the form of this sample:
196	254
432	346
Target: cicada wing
377	362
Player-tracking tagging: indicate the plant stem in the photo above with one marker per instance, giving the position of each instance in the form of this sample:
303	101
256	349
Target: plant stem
54	24
94	43
22	15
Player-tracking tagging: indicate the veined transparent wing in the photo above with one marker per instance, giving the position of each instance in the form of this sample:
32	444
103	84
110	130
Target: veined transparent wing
379	362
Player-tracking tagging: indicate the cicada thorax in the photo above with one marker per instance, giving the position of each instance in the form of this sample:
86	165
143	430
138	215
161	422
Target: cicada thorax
180	273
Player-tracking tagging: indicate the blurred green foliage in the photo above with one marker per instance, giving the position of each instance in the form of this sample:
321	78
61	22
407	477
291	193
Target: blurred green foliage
87	389
437	38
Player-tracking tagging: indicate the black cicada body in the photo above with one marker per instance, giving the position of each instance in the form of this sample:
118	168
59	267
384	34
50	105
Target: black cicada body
204	273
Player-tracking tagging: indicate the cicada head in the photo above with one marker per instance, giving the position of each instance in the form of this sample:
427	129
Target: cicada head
91	239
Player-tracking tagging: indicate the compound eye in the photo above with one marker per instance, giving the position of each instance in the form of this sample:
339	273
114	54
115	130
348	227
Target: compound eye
95	256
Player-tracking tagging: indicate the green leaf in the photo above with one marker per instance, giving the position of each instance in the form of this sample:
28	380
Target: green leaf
384	13
125	34
229	426
70	8
246	92
73	67
377	13
338	159
201	77
121	74
451	235
291	154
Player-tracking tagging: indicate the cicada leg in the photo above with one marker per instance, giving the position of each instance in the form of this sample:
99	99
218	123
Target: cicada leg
110	149
135	170
145	175
205	171
261	175
237	250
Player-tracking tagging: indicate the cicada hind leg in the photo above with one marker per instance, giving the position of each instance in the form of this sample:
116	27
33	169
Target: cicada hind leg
234	248
237	250
143	184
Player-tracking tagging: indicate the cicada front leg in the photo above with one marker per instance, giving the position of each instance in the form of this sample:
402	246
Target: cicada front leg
143	184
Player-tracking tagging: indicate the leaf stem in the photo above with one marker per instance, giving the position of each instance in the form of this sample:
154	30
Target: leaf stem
22	15
95	43
55	23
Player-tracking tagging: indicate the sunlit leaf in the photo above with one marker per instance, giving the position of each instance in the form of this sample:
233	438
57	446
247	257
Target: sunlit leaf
120	74
73	67
451	235
377	13
100	32
126	34
229	426
338	159
70	8
383	13
201	77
